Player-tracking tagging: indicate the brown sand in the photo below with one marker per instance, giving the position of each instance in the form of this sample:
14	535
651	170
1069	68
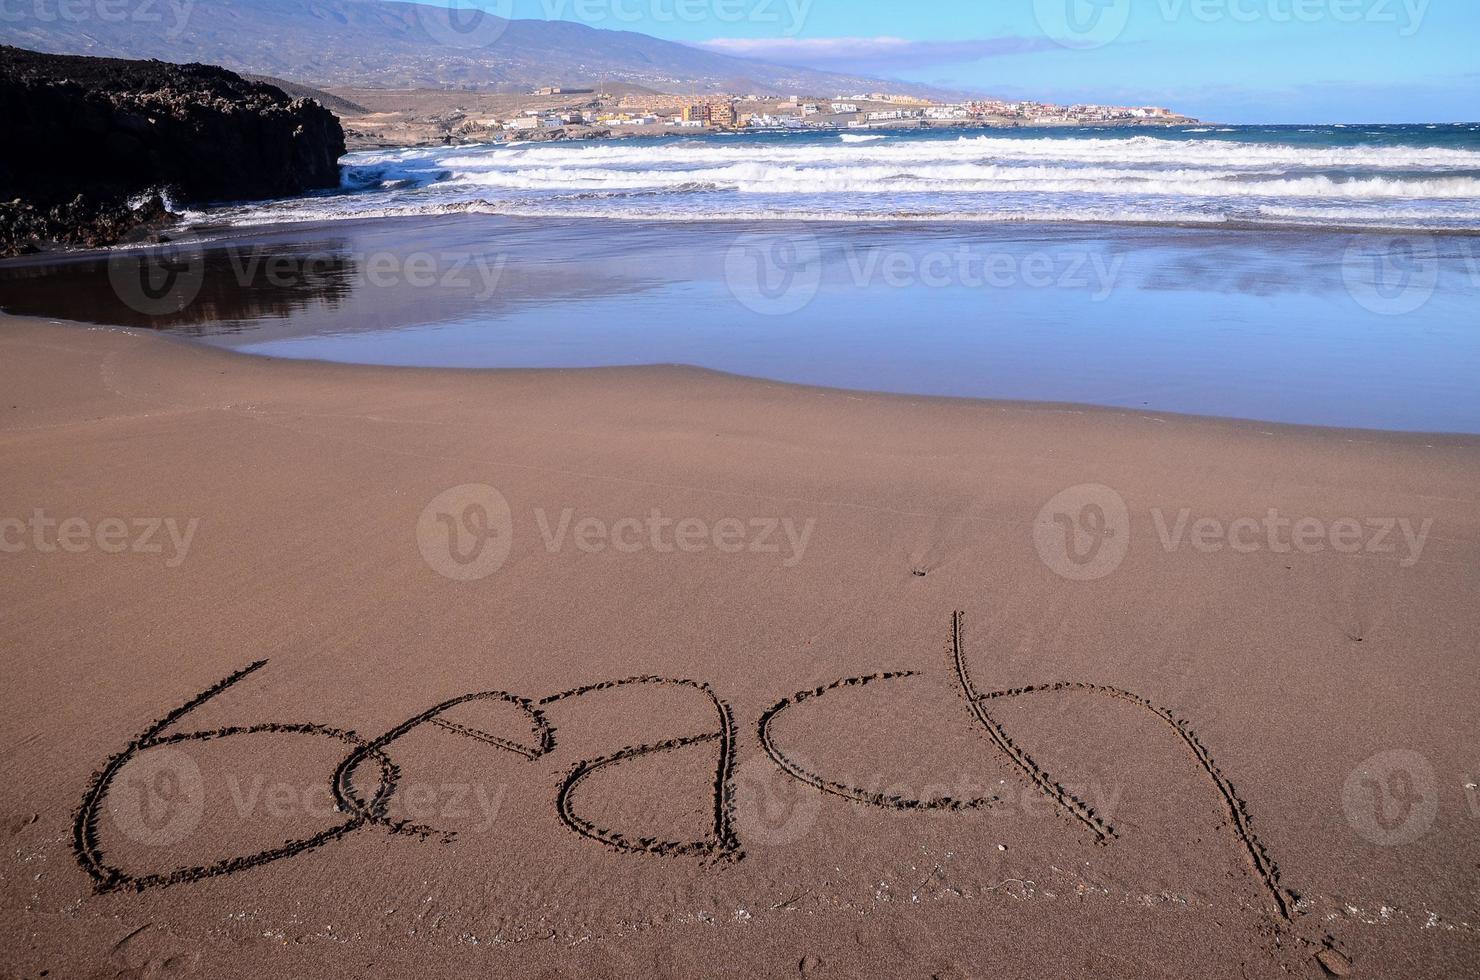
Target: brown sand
1190	802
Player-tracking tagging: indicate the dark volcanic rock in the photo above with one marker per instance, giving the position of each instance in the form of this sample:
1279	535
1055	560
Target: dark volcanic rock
90	143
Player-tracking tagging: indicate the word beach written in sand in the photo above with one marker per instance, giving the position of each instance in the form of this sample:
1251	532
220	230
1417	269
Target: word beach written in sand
366	780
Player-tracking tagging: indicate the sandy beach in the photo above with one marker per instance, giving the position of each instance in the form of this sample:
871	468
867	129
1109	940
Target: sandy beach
329	670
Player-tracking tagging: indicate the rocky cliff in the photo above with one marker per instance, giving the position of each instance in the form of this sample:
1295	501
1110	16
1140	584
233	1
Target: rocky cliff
91	144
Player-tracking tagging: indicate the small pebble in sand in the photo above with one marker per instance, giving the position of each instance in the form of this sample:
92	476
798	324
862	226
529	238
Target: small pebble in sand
1334	963
1001	847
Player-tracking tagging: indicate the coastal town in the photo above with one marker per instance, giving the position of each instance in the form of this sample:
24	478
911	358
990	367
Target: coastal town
555	113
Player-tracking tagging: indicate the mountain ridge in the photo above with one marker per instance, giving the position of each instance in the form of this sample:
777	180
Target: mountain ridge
395	44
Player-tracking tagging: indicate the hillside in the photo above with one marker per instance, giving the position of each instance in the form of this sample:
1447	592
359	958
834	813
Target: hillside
396	45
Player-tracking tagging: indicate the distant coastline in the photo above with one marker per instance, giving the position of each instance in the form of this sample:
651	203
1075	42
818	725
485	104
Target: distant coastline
389	118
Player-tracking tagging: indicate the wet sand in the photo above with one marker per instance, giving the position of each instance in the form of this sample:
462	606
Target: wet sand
1291	327
748	679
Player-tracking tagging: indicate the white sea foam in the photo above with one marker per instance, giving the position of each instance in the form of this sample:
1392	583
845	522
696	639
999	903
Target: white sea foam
909	177
757	178
981	149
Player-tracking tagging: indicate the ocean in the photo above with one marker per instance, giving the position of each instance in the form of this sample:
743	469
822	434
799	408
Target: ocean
1316	275
1277	176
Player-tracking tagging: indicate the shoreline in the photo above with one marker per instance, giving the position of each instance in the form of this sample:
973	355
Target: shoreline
489	291
222	235
678	370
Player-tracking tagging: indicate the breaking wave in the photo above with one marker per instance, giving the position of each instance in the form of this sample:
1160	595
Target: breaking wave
1394	177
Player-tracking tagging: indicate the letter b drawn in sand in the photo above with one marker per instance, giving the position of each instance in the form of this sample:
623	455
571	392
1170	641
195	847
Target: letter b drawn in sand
774	275
466	533
1392	798
1084	533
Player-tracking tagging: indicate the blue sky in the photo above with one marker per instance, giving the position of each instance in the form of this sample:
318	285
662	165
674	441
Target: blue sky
1224	60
